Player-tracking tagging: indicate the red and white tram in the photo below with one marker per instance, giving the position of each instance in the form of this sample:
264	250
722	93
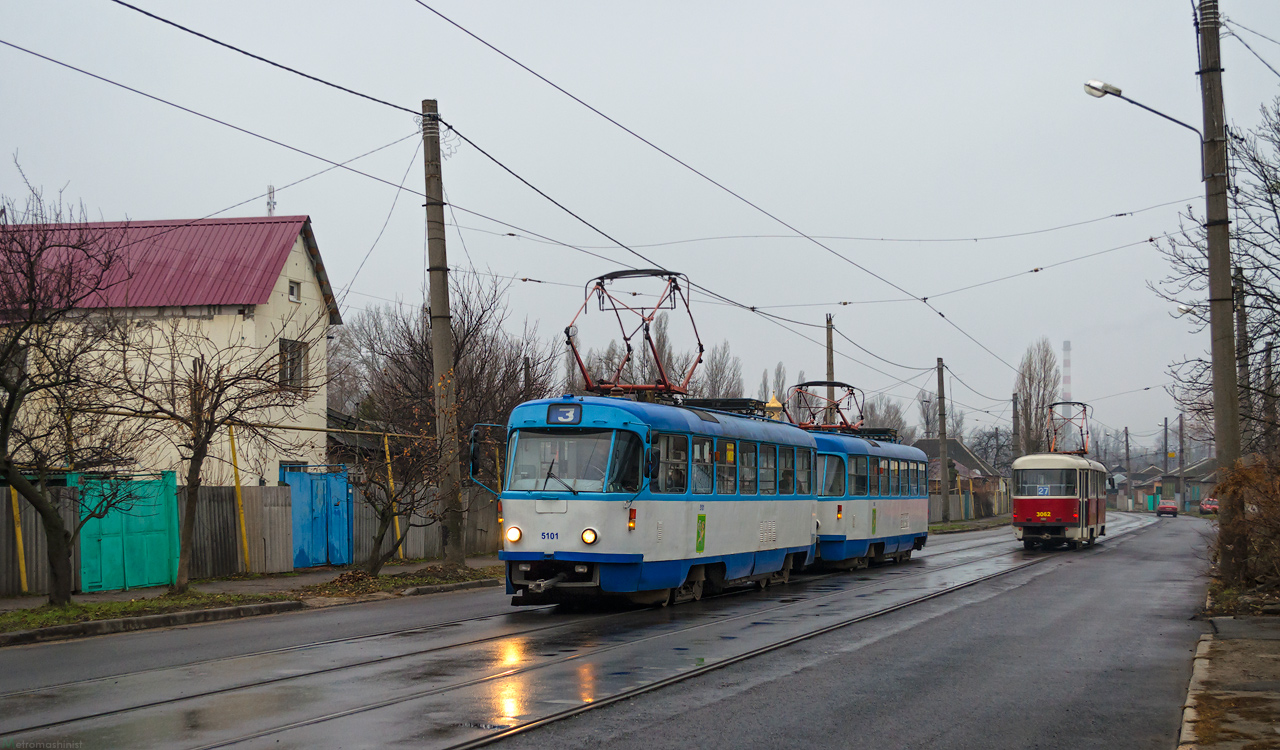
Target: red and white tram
1058	498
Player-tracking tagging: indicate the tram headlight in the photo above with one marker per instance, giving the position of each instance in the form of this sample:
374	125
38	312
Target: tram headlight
589	536
513	534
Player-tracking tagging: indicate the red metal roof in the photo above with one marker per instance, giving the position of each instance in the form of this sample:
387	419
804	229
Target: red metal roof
205	261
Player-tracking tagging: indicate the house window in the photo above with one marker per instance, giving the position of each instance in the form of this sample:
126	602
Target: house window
293	362
295	291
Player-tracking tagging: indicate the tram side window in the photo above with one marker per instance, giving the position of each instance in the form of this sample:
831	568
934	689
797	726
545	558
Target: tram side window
882	476
913	476
726	467
893	478
673	458
857	475
833	473
703	466
768	470
1051	482
804	465
786	471
624	468
748	460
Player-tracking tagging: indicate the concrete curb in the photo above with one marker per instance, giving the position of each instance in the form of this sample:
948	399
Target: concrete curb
1199	673
443	587
145	622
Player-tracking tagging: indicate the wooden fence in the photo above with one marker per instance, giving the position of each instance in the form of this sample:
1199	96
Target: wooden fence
268	520
36	551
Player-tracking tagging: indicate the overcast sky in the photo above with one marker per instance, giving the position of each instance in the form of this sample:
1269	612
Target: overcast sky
919	121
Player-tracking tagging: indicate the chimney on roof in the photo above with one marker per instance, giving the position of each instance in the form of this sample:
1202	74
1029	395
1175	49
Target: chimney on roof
271	200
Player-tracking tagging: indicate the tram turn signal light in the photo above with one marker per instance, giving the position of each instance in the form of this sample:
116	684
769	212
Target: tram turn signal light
839	512
499	511
631	519
513	534
589	536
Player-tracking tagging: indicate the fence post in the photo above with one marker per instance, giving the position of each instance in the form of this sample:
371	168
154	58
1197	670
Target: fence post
17	533
391	493
235	470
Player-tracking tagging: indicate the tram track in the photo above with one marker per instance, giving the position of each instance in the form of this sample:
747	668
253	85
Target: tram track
799	579
778	607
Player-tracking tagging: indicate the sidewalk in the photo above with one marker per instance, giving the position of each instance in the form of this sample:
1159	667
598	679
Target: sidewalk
1233	700
975	524
265	584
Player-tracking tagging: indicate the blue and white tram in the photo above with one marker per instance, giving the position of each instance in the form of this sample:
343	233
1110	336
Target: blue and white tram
652	501
873	503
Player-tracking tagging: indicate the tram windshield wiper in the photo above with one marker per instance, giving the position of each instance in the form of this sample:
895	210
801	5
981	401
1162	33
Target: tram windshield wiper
550	476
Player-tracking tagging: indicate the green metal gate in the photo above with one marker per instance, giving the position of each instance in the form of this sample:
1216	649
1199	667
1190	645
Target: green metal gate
135	544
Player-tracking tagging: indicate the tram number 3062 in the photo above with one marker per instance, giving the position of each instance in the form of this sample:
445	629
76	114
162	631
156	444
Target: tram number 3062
550	535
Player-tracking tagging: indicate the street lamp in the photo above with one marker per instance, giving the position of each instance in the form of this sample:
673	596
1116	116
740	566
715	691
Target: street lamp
1226	394
1098	89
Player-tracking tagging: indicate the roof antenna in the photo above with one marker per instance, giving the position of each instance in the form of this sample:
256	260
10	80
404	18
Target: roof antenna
271	200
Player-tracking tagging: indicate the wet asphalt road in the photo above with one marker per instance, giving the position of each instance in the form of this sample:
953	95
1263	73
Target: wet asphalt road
441	670
1094	652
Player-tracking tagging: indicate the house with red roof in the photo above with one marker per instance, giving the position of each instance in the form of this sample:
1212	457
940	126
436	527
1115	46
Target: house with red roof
257	284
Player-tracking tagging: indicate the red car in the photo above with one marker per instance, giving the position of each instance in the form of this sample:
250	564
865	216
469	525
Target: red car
1209	505
1167	506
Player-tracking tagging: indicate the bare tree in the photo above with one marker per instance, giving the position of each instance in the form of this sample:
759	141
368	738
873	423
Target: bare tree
1255	256
762	393
722	375
495	371
1039	379
195	383
51	271
882	411
927	405
993	444
780	381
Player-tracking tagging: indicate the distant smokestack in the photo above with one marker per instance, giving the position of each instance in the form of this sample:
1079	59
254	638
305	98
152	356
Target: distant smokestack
1066	370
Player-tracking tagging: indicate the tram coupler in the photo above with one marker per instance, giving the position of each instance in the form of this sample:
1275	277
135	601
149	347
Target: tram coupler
538	587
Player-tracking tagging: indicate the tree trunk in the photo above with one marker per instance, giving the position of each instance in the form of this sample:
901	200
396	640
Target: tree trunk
377	558
188	531
57	538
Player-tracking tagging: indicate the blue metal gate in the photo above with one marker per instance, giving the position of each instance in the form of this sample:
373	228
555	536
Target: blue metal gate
321	500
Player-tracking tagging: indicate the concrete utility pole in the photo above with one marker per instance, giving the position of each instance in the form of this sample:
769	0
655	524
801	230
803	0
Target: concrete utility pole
1128	470
944	472
831	370
1242	358
1182	461
442	342
1016	448
1226	394
1165	453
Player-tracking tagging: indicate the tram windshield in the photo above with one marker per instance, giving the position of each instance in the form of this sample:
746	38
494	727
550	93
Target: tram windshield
1050	482
575	461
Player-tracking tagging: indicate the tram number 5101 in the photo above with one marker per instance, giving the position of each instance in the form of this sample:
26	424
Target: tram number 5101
550	535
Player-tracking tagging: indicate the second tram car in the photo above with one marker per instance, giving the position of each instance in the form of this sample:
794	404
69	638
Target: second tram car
1058	498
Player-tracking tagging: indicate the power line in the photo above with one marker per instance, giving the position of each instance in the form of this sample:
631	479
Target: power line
260	58
1233	22
394	200
971	388
777	320
877	356
545	195
1261	59
201	115
719	185
715	238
